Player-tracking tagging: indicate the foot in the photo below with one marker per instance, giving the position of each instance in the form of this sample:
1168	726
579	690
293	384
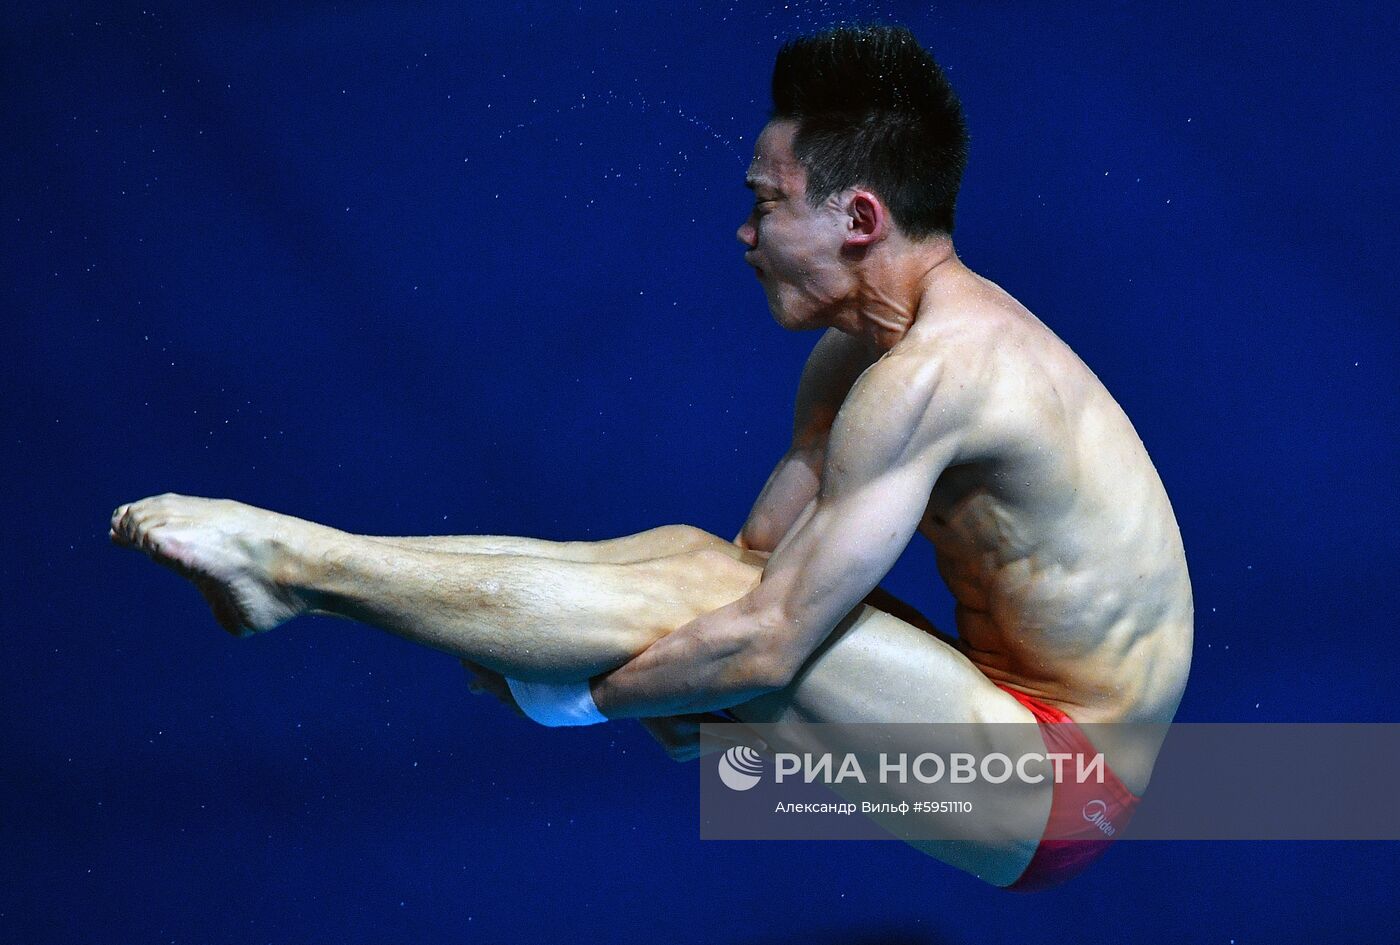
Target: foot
237	555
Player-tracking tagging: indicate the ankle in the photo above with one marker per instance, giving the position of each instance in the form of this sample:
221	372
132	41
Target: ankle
302	560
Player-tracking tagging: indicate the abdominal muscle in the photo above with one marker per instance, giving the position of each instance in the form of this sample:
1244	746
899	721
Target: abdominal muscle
1075	593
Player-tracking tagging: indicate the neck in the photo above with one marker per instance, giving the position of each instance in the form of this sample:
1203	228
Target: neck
890	286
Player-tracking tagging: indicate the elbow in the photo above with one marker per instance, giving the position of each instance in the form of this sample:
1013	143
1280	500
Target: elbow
756	538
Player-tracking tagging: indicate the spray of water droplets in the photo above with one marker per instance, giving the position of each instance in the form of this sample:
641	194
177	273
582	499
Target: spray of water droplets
807	16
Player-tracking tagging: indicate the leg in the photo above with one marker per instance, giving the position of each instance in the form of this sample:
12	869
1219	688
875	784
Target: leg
557	619
528	617
877	668
921	676
542	617
660	542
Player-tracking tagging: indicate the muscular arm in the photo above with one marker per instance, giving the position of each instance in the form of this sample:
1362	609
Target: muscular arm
886	450
832	368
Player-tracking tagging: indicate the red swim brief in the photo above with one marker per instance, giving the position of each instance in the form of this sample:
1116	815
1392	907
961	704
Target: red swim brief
1084	818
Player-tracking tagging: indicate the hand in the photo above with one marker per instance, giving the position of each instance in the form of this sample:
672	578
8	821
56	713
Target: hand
490	682
680	735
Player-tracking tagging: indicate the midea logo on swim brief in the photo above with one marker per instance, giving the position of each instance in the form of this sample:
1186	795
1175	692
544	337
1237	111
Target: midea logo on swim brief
740	768
1096	813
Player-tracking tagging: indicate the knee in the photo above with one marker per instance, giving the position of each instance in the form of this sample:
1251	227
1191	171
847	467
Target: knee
680	539
721	569
698	580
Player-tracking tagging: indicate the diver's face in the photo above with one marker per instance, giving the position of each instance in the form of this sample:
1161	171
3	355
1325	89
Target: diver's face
795	248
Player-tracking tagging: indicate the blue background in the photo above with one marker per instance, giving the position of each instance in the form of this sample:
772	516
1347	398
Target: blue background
422	269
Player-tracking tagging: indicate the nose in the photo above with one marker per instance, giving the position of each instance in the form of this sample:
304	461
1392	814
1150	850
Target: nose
748	234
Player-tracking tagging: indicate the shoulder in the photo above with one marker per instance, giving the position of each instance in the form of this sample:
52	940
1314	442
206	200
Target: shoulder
906	406
961	379
935	380
834	365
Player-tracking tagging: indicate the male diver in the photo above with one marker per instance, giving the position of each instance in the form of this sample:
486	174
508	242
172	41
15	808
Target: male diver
933	403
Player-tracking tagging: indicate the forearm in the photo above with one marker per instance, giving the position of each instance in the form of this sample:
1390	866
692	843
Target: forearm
623	695
756	644
712	663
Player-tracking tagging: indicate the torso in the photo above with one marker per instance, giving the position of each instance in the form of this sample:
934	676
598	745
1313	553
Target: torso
1051	526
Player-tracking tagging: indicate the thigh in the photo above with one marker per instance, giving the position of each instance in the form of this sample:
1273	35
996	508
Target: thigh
883	663
877	668
874	666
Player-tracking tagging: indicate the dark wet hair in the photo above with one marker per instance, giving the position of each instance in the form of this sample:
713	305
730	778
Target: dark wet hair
872	108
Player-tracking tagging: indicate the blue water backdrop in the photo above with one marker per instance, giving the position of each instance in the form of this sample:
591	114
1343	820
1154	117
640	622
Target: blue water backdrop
470	268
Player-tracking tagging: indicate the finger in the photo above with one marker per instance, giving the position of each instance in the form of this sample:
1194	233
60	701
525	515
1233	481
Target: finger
721	733
666	733
478	675
119	524
677	738
685	753
473	677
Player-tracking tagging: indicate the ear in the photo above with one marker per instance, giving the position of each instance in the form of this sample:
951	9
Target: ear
869	221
